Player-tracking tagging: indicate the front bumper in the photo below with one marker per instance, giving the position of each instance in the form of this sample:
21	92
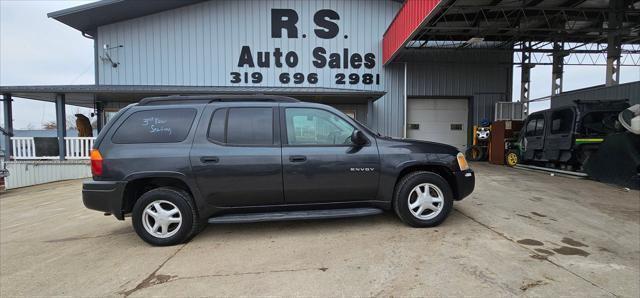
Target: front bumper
465	182
105	196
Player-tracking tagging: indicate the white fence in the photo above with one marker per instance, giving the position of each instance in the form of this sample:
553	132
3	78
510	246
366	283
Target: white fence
24	148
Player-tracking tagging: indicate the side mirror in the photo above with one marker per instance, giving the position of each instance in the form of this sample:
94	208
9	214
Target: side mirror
358	138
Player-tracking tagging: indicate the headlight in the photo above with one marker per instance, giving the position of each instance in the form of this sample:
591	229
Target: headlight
462	162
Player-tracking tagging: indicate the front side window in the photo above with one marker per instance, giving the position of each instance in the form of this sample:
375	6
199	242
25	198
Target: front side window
531	128
540	126
250	126
316	127
155	126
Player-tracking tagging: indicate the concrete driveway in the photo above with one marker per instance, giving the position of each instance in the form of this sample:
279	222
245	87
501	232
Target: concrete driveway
520	233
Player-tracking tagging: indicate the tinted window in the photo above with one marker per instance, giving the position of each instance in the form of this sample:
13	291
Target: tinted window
155	126
250	126
531	127
535	126
216	126
316	127
561	121
540	126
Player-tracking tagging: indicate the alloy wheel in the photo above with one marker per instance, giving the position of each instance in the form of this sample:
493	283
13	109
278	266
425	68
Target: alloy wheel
161	219
426	201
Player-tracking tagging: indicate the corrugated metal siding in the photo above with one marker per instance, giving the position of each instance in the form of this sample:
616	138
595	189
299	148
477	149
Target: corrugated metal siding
484	106
199	45
387	113
483	76
630	91
27	173
458	73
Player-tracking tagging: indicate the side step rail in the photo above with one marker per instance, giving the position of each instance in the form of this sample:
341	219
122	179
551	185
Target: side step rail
570	173
294	215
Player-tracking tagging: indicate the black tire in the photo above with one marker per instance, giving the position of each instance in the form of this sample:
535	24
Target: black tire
404	189
475	153
190	224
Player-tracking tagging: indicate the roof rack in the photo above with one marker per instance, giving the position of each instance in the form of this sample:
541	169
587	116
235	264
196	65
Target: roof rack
177	99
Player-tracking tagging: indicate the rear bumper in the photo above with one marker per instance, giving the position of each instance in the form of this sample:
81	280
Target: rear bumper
466	182
105	196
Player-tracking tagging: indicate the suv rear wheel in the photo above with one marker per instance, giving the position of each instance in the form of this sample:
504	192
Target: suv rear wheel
165	216
423	199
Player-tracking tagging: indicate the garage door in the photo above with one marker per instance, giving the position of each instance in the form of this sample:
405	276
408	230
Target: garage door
438	120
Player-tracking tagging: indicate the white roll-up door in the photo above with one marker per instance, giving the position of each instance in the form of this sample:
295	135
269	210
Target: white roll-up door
438	120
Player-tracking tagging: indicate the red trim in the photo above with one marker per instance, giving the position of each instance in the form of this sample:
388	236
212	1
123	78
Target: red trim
411	15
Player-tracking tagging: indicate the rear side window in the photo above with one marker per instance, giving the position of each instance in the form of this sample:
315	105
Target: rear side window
155	126
561	121
250	126
217	125
242	126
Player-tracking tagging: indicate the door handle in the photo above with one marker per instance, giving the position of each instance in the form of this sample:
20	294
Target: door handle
297	158
209	159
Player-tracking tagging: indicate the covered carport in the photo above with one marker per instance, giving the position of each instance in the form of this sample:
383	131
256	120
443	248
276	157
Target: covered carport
539	32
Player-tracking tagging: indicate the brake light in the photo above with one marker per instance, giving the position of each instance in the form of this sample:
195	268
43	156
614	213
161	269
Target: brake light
96	162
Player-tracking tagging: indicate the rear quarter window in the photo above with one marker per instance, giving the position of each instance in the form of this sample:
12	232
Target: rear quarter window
155	126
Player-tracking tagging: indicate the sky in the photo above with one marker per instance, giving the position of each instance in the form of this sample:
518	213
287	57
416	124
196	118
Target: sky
36	50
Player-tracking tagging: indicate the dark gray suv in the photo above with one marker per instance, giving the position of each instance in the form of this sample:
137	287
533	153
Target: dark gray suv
176	163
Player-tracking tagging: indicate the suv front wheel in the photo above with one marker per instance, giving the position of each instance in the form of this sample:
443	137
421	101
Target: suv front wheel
165	216
423	199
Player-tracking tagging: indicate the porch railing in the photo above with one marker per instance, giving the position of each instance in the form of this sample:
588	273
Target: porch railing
76	148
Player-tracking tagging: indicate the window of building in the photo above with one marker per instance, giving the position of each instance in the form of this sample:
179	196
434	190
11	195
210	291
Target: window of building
155	126
250	126
561	121
316	127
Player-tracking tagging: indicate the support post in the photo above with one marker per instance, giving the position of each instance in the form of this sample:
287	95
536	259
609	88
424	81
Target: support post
614	46
99	116
557	68
61	124
8	125
525	76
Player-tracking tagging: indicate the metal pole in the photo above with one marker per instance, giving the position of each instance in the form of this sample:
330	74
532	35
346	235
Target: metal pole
614	46
99	116
525	76
8	125
61	124
557	68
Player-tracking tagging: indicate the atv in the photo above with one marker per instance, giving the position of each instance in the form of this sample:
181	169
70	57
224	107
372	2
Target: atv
565	137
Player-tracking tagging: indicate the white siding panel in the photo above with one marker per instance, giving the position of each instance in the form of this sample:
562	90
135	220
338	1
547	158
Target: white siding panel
27	173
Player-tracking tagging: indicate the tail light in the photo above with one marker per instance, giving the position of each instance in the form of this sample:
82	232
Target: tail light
96	162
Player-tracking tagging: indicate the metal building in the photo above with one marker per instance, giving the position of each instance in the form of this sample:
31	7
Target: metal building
425	69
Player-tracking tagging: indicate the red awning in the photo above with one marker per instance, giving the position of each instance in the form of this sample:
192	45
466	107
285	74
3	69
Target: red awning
406	23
